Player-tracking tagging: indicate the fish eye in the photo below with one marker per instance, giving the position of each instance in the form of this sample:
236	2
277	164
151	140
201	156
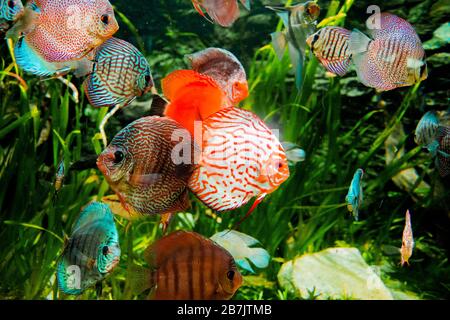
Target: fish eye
118	156
105	18
105	250
148	80
230	275
11	4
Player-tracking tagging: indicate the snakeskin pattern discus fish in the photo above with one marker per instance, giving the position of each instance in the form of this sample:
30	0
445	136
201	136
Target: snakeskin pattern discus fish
120	74
10	9
223	12
148	166
63	30
91	253
225	69
393	57
187	266
407	240
354	196
241	159
330	46
427	129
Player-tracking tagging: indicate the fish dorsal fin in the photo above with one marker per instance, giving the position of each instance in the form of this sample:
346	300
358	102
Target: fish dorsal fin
358	42
281	12
175	243
193	96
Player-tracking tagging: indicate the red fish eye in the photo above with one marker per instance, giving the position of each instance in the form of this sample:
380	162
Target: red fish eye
11	4
230	275
105	19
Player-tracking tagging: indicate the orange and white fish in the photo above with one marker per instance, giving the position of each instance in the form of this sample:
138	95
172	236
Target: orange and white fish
392	57
60	31
241	159
225	69
407	240
187	266
223	12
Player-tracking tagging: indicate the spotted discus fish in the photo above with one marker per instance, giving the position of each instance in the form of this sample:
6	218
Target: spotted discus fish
223	12
193	97
186	266
330	46
354	196
225	69
427	131
148	166
64	30
10	10
241	159
392	57
407	240
91	253
120	74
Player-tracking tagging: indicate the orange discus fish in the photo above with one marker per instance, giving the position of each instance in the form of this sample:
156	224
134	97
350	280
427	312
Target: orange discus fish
241	159
193	97
186	266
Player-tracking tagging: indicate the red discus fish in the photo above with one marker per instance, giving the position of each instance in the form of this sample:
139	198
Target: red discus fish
63	30
187	266
241	159
223	12
193	97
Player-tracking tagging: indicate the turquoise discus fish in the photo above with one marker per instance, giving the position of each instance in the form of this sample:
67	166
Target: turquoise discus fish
120	74
354	196
91	253
427	131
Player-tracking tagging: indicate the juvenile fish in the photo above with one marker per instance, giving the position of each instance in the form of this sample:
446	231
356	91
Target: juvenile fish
354	196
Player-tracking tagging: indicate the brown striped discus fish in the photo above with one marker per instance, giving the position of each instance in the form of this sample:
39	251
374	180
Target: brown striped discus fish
139	166
407	240
186	266
330	46
392	57
241	159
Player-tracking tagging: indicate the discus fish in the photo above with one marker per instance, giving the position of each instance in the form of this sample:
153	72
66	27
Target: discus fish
225	69
443	151
241	159
427	131
223	12
148	167
91	253
330	46
60	31
354	196
186	266
10	10
392	57
300	22
240	246
407	240
120	74
193	97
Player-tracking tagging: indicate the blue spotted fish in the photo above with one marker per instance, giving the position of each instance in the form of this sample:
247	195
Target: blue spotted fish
120	74
354	196
241	247
91	253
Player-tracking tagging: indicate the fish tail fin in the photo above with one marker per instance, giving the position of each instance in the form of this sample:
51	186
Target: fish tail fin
358	42
259	257
279	43
83	68
159	105
246	4
30	61
140	279
193	96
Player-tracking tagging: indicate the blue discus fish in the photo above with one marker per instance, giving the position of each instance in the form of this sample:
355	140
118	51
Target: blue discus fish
91	253
354	196
120	74
427	132
239	246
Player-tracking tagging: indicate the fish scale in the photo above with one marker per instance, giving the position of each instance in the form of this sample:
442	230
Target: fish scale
237	147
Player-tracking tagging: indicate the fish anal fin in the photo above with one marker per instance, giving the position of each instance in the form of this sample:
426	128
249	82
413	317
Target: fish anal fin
140	278
279	43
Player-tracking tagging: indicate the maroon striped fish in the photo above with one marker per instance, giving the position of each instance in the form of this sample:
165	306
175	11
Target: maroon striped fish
330	46
139	166
187	266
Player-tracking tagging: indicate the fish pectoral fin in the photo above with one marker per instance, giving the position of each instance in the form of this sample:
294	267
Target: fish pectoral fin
358	42
279	43
139	278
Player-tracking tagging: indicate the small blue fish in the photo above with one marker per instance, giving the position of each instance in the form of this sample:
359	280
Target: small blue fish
10	9
239	246
427	132
91	253
293	153
354	196
120	74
